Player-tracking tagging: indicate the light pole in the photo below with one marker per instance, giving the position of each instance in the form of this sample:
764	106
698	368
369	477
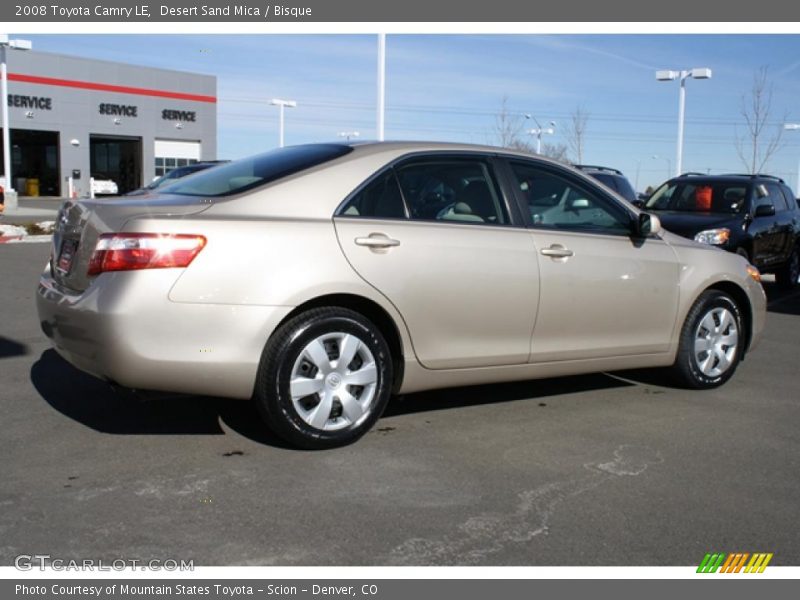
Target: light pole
795	127
5	43
381	124
539	131
349	134
697	73
281	104
669	163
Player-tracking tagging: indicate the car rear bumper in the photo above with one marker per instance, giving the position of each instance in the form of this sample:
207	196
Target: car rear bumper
123	328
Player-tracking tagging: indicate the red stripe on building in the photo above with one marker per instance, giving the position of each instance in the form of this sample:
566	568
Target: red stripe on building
105	87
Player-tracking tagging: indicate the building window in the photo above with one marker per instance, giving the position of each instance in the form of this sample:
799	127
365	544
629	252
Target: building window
165	164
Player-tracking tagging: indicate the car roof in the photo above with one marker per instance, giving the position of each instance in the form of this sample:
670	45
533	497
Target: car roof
364	148
728	177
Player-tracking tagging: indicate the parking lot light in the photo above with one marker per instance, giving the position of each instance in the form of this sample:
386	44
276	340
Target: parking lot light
669	75
795	127
539	131
282	104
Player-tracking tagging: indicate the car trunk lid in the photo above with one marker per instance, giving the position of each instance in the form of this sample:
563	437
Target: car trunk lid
80	224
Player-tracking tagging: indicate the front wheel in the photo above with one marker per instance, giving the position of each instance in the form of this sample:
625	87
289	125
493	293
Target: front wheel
711	342
325	377
787	276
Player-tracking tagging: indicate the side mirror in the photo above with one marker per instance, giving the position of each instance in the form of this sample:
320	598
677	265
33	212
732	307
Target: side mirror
638	203
647	224
765	210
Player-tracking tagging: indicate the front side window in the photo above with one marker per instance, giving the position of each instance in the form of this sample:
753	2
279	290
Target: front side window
452	190
555	201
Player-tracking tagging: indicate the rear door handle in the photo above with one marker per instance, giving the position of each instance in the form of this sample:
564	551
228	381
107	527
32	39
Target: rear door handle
377	240
557	251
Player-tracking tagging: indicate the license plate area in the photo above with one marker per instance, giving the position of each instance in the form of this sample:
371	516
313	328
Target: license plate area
66	256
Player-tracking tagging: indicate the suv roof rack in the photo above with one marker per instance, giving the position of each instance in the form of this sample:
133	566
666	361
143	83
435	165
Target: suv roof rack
755	176
599	168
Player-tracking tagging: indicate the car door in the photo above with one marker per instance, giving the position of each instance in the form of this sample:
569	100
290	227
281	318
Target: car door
765	229
602	293
446	253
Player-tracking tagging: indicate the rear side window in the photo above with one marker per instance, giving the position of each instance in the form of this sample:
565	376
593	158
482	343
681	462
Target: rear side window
249	173
379	199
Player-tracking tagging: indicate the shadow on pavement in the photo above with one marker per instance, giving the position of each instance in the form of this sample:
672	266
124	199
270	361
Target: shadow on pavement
782	301
96	405
501	392
9	348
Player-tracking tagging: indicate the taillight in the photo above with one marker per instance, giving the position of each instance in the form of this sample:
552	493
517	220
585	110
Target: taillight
131	251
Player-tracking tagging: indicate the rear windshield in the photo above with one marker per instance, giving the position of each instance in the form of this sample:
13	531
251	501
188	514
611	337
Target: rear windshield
616	182
248	173
700	196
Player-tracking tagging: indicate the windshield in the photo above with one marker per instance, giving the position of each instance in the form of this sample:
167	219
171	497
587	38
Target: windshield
700	196
248	173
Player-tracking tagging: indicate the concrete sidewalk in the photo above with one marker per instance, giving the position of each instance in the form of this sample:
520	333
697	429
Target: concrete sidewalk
32	210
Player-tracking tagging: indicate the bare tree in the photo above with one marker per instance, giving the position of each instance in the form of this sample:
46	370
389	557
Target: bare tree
510	129
576	133
557	152
757	145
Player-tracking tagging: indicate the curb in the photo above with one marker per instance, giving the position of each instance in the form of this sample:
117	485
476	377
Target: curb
25	239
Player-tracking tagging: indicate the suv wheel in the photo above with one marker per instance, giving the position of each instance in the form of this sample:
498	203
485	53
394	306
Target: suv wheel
788	274
325	377
711	342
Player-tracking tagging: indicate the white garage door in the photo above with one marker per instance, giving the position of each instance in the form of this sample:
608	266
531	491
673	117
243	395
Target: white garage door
171	154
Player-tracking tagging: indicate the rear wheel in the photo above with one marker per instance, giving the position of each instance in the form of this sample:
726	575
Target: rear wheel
788	274
711	342
324	379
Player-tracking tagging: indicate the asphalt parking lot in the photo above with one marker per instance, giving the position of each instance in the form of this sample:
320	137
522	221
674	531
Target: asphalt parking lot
595	470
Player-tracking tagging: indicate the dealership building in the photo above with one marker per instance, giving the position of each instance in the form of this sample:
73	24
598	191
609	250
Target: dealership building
74	118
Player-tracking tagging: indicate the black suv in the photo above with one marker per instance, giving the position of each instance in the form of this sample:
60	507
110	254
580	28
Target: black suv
611	178
756	216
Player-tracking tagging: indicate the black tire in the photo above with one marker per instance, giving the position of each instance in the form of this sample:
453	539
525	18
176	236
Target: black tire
687	371
272	391
788	274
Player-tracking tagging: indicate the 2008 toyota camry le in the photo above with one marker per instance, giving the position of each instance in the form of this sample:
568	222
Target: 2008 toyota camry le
321	279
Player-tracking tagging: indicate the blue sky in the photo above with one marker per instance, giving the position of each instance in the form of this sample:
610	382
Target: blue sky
450	87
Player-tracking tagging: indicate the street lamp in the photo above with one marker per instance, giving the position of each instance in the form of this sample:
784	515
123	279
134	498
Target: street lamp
669	163
381	116
282	104
794	127
5	43
697	73
348	134
539	131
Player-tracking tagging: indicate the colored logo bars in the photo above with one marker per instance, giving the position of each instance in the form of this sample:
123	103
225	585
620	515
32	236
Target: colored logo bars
735	562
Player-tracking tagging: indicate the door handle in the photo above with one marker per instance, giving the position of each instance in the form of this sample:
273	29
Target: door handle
557	251
377	240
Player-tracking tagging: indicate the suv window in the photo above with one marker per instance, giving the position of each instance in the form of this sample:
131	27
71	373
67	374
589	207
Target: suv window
616	182
380	199
788	195
555	201
772	197
699	196
248	173
456	190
